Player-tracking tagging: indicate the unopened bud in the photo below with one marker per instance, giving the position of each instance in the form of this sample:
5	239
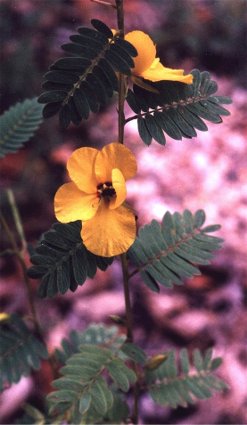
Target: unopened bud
155	361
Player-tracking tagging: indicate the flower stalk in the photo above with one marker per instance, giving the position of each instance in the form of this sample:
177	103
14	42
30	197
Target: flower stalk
124	263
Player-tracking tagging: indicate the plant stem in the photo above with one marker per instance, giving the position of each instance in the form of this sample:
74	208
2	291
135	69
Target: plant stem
121	78
20	254
129	326
121	121
124	263
17	218
128	310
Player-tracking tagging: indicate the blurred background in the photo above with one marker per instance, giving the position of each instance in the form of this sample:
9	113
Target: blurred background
208	172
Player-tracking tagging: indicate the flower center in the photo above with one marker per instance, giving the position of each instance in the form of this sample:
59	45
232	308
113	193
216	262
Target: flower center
106	191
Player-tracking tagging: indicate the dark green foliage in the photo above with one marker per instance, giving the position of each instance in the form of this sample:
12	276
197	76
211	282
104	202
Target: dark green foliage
83	392
134	352
86	81
96	334
177	109
18	125
167	253
95	374
62	262
118	412
180	383
20	351
103	336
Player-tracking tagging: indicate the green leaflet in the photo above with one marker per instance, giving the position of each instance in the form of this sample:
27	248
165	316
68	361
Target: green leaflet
121	374
170	252
62	262
19	124
83	391
134	352
177	109
20	351
95	334
101	396
86	80
119	411
176	384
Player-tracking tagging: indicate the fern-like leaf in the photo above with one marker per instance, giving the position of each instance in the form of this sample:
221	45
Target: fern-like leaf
181	383
83	392
18	125
86	81
20	351
108	337
169	252
177	109
62	262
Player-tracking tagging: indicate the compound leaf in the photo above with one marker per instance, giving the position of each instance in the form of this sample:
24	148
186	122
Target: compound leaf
20	350
181	383
62	262
170	252
19	124
83	392
86	80
175	108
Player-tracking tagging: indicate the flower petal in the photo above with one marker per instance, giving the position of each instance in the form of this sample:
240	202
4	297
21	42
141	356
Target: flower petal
118	182
109	232
114	155
158	72
146	50
80	167
72	204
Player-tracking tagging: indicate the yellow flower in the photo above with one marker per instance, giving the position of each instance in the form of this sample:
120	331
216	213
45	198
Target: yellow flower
147	65
96	195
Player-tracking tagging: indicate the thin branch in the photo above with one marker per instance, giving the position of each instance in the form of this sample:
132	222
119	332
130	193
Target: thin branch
17	218
7	252
9	234
20	256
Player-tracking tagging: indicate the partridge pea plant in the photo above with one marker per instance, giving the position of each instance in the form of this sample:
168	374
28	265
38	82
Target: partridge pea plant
101	373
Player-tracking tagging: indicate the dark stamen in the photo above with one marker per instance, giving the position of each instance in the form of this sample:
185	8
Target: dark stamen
106	191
